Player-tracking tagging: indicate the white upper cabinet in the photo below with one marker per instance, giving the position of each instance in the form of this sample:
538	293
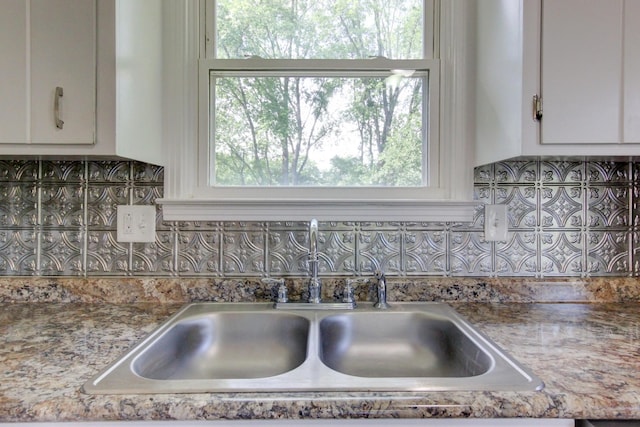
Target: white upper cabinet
580	57
13	64
81	78
48	89
631	71
62	71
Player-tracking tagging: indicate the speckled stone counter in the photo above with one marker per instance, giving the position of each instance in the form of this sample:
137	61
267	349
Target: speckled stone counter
588	354
446	289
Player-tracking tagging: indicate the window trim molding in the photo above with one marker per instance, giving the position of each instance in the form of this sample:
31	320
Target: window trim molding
184	114
322	210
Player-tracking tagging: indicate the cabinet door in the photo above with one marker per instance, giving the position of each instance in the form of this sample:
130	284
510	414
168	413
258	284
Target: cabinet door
13	64
582	72
632	71
62	48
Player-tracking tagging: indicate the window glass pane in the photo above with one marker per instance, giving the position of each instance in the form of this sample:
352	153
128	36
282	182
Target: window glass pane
319	29
329	131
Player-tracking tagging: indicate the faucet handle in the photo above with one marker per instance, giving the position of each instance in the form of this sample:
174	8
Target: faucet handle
348	294
282	288
282	293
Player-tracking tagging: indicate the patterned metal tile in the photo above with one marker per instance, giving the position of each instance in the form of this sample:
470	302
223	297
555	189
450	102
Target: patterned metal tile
470	254
62	205
278	225
432	225
337	252
63	171
561	253
562	172
198	225
146	173
379	250
425	252
61	253
198	252
155	258
518	256
109	171
18	204
608	253
377	226
483	174
19	170
288	252
105	255
635	172
522	205
102	202
635	262
483	193
609	206
18	252
243	253
609	172
562	207
146	194
515	172
635	223
565	218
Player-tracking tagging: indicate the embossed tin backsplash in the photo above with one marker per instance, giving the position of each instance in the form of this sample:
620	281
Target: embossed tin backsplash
565	219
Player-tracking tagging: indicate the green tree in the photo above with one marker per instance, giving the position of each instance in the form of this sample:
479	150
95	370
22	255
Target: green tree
269	130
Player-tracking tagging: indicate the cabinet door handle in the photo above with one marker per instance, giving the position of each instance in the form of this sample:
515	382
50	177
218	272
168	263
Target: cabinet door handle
537	108
56	107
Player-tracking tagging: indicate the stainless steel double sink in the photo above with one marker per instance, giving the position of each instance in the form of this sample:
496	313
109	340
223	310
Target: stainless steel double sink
235	347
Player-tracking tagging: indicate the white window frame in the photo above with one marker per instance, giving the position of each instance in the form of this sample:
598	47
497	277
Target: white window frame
189	197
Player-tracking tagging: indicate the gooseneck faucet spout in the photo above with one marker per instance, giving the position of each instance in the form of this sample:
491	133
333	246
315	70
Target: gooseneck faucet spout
315	286
382	290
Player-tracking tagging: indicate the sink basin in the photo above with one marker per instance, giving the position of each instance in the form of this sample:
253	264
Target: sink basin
399	345
220	347
226	345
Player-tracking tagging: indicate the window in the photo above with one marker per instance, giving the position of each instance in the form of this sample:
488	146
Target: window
283	128
327	93
311	108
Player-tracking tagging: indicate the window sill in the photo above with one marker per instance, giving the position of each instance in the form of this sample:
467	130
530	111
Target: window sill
323	210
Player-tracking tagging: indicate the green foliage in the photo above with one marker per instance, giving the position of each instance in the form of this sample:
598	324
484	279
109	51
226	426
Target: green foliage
401	161
292	130
347	171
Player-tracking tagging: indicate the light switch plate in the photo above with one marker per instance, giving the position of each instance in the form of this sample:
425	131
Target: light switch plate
136	224
495	223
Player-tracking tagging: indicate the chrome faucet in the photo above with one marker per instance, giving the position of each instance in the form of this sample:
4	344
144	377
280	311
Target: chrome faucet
315	286
314	300
281	289
381	287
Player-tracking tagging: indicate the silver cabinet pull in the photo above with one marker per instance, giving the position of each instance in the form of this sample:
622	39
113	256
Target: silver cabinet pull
56	107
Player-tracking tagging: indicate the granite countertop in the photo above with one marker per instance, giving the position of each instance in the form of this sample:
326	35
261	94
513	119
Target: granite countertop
587	354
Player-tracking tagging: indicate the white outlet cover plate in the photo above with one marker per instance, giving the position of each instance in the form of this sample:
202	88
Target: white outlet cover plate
136	224
495	223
